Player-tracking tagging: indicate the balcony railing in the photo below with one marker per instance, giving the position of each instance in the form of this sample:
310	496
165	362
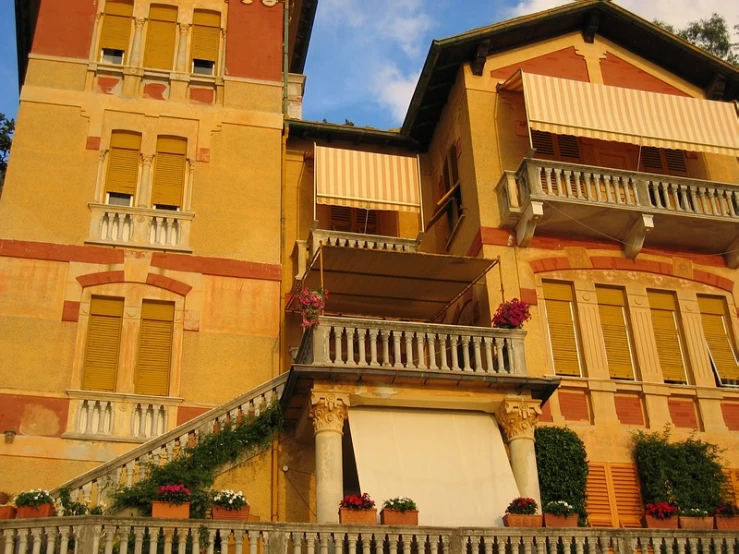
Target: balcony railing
92	535
140	227
320	237
393	345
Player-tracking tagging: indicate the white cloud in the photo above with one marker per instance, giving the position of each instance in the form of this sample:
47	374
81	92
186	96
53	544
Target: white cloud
393	89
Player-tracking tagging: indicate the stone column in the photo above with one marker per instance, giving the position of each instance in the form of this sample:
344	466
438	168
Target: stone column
518	416
143	195
135	60
328	412
181	65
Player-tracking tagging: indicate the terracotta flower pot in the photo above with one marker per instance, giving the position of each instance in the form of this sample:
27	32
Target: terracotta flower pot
727	523
165	510
551	520
358	517
396	517
242	514
27	512
522	520
7	512
652	522
689	522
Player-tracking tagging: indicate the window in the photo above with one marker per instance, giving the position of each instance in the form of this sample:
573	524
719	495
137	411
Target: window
123	168
353	220
452	189
206	35
615	326
103	344
559	302
665	161
663	307
613	497
169	173
155	348
160	37
719	339
115	33
561	147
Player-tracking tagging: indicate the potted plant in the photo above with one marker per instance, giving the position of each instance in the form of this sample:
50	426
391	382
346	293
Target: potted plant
695	518
173	502
357	509
558	513
727	516
521	512
661	515
312	304
511	315
6	511
399	511
228	504
34	503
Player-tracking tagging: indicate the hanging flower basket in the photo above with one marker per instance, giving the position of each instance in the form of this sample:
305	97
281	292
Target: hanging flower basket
312	304
511	315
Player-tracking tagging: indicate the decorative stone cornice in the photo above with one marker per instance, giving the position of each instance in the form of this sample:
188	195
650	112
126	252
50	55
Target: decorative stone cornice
328	411
518	417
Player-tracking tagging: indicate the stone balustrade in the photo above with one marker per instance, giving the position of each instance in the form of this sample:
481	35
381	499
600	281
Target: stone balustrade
320	237
394	345
93	535
147	417
140	227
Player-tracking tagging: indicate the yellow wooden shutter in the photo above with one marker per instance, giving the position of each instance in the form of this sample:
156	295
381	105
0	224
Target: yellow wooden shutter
559	302
731	486
612	308
598	506
613	497
206	34
160	37
155	348
103	344
116	28
169	175
663	308
627	494
123	165
718	336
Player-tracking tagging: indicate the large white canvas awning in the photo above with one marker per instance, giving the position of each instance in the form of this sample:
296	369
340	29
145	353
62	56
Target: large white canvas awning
367	180
453	464
568	107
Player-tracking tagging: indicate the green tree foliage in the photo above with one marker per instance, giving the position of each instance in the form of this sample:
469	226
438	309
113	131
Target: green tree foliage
712	35
686	473
7	127
563	467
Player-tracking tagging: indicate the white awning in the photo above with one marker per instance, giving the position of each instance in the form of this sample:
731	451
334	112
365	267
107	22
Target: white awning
568	107
453	464
367	180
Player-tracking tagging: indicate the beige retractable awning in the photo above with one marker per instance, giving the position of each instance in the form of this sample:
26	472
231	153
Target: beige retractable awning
392	284
367	180
567	107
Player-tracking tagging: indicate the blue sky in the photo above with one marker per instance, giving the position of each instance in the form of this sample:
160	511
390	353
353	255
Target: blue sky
365	55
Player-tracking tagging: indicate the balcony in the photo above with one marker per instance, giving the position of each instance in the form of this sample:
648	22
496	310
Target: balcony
631	207
140	227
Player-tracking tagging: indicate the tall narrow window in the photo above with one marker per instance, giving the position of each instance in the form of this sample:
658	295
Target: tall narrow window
103	343
169	174
123	168
663	307
206	34
353	220
719	339
559	301
614	323
155	348
115	33
160	37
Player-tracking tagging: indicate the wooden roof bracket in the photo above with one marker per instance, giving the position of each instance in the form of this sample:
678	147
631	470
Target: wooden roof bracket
715	90
591	27
481	55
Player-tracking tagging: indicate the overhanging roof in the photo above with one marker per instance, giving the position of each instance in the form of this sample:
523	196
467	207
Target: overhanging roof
386	283
300	39
600	17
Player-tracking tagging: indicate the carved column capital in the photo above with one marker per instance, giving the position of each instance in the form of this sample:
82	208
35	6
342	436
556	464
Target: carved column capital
102	154
146	159
328	411
139	22
184	27
518	417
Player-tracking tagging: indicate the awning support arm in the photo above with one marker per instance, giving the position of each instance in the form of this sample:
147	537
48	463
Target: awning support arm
468	287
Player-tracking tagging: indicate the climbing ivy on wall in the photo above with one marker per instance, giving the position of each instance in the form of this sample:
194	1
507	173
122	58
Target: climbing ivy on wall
686	473
197	467
563	467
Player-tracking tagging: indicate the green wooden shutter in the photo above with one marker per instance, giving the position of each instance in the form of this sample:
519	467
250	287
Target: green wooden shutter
206	34
103	344
718	336
155	348
169	174
116	27
560	307
160	37
612	308
123	164
663	308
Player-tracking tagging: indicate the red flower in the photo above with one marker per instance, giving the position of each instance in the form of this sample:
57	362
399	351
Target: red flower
511	315
661	510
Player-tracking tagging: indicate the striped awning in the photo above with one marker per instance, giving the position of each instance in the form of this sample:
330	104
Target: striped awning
367	180
567	107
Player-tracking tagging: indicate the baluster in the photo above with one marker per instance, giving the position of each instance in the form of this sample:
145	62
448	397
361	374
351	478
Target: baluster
338	331
489	354
351	540
702	199
211	540
601	179
488	544
238	542
466	352
310	543
51	533
103	408
90	409
350	331
634	191
182	540
455	354
323	542
408	354
420	339
433	544
511	360
385	336
298	543
36	540
541	545
86	492
396	349
361	334
580	183
528	543
109	537
22	541
338	543
432	350
63	541
611	186
366	543
442	351
406	544
373	347
392	543
143	411
478	354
